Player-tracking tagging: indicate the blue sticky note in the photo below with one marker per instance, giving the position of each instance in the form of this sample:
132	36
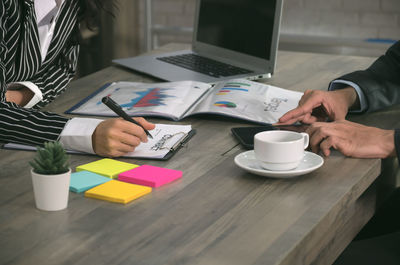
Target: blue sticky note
84	180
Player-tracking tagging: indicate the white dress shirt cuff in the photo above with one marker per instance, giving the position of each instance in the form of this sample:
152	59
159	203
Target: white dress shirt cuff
77	134
339	84
37	94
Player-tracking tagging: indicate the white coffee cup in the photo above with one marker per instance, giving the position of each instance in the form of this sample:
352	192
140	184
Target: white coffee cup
280	150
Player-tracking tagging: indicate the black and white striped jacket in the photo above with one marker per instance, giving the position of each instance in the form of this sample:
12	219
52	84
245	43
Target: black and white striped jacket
20	60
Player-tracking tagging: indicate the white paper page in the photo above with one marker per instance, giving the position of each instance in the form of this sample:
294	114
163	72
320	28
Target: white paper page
151	149
248	100
169	99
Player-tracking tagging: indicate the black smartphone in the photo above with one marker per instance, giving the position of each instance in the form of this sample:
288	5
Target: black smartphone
245	135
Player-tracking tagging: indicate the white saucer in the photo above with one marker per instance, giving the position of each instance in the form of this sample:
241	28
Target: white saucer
248	162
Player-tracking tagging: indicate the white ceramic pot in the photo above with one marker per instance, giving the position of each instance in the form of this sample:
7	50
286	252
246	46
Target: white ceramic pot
51	191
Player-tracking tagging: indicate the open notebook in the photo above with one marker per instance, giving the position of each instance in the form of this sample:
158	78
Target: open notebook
237	98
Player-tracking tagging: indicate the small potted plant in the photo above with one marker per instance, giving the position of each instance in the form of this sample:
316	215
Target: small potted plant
50	177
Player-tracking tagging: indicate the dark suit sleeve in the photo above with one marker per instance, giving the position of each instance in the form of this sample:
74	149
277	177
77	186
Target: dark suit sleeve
397	143
381	81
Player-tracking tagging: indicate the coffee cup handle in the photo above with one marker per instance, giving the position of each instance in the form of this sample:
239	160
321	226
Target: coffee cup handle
306	139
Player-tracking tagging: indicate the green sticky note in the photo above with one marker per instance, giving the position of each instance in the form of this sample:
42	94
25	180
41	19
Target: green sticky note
107	167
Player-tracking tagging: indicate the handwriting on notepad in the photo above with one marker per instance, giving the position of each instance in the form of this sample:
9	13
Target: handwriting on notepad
162	143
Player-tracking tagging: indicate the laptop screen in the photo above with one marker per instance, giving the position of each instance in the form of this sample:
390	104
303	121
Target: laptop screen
244	26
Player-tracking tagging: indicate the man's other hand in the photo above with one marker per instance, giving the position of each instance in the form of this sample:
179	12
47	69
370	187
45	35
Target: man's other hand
318	105
351	139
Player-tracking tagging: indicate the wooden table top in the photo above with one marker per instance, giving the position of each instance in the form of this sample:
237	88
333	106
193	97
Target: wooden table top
216	214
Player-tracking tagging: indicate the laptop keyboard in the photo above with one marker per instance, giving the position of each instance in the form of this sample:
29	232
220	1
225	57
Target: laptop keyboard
204	65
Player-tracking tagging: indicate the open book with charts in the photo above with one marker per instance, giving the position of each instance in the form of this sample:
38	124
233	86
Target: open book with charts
166	141
238	98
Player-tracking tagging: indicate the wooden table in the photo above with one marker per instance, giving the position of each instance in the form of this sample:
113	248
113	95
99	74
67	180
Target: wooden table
217	213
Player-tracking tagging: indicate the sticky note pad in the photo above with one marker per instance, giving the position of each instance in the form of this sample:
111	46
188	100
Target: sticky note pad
84	180
150	176
117	191
107	167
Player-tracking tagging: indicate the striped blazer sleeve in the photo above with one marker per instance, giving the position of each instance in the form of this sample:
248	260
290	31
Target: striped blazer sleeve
30	126
52	80
57	76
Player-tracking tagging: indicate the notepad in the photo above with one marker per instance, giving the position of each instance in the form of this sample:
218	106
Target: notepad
107	167
150	176
84	180
117	191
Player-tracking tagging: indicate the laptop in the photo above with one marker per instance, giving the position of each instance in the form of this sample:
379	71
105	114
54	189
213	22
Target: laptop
231	39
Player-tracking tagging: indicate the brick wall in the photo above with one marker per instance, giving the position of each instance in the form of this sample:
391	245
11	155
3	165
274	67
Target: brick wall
358	19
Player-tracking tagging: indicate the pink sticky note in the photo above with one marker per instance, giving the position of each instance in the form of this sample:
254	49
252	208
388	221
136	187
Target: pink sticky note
150	176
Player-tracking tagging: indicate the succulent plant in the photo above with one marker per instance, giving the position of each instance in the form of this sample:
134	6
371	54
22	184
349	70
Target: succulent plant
50	160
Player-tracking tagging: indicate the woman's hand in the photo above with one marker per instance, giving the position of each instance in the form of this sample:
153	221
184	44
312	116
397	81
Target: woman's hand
20	96
116	137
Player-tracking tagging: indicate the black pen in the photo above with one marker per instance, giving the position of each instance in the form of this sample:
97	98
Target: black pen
118	110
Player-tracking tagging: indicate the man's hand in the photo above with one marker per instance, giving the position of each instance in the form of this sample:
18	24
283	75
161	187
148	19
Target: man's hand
318	105
116	137
351	139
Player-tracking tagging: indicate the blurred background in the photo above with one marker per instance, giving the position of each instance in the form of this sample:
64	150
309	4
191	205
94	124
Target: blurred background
352	27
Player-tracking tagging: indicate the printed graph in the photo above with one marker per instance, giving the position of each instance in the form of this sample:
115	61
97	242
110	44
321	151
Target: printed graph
237	84
225	104
229	88
108	95
149	97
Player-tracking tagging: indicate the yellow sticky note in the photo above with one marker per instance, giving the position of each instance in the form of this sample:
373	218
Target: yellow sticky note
117	191
107	167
